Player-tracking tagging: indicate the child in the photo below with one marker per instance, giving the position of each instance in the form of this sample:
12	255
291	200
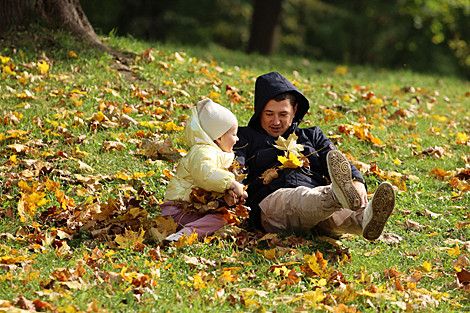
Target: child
211	133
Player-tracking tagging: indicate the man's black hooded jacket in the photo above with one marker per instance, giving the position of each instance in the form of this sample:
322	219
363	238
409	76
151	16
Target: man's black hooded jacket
256	152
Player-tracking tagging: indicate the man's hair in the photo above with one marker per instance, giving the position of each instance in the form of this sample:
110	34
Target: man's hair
286	95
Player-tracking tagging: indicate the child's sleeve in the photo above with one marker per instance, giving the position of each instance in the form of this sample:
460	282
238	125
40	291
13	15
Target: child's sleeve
207	174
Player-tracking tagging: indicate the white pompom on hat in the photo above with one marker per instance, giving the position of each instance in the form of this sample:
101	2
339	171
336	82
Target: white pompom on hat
215	119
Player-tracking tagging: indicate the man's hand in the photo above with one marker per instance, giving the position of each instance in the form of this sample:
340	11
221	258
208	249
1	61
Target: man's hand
361	188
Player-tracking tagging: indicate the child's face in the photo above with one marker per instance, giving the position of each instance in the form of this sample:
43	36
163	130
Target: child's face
228	140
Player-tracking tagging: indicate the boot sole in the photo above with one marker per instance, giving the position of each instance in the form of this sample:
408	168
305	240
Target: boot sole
340	175
383	203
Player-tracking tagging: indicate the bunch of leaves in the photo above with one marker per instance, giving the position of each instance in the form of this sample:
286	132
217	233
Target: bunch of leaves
293	158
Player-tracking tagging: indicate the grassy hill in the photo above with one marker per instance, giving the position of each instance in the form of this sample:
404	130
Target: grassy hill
84	141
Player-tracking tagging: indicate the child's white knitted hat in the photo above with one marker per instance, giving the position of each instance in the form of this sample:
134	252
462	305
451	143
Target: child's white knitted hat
215	119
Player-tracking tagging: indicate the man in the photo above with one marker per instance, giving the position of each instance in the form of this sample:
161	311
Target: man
300	199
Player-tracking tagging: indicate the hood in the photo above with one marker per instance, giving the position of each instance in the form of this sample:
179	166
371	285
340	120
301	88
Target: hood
270	85
194	132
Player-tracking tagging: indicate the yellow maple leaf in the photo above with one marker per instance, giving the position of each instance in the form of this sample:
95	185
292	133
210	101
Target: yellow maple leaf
28	203
4	59
138	175
341	70
172	126
290	145
121	176
214	95
130	239
12	260
396	161
376	141
198	282
7	69
314	296
427	266
291	162
455	251
270	254
165	225
312	263
52	186
43	67
462	137
13	159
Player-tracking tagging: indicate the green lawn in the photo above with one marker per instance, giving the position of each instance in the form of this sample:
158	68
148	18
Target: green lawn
84	168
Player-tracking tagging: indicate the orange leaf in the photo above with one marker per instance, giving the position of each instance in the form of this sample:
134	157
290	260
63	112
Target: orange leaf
269	175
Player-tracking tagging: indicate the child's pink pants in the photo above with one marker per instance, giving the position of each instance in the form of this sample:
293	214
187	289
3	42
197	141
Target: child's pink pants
189	223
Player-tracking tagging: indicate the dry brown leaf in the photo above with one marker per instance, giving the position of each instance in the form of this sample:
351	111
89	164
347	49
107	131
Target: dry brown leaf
431	214
392	273
84	166
464	277
127	120
414	278
409	224
24	304
113	146
461	262
147	55
269	175
62	274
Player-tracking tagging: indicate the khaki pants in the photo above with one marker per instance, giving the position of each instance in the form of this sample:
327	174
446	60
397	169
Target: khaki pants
298	210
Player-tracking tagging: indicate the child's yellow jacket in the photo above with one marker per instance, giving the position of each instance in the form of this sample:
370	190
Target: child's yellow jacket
203	167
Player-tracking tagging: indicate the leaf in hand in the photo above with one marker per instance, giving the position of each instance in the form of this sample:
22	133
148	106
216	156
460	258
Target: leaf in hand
291	162
289	145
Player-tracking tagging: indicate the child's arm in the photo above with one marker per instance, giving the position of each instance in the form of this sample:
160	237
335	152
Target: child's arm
207	175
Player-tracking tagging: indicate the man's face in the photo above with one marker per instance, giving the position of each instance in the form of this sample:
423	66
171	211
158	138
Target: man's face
277	117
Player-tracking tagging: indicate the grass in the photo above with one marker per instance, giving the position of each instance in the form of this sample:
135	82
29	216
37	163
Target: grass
52	262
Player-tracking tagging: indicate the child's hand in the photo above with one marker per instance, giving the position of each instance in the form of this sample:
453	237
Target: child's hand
230	197
239	191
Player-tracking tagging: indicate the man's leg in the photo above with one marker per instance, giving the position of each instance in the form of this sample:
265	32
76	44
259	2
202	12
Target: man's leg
297	209
368	221
341	181
341	222
301	209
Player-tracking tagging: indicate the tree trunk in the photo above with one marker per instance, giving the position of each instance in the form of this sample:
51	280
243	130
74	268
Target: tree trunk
265	26
57	13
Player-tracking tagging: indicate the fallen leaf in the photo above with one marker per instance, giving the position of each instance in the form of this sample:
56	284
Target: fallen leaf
464	277
130	239
113	146
415	277
461	262
392	273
